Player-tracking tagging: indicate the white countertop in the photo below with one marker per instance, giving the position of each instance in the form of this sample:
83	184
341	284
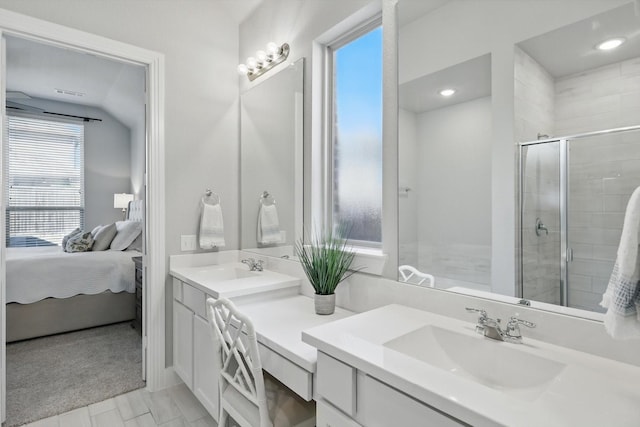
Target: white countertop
588	391
279	324
208	281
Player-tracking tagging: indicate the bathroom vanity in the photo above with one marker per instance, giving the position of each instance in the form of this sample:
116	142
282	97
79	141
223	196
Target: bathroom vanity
277	310
397	365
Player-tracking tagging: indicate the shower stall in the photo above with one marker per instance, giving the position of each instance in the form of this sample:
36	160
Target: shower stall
573	193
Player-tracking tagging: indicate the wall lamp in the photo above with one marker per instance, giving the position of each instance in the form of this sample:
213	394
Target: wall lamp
264	61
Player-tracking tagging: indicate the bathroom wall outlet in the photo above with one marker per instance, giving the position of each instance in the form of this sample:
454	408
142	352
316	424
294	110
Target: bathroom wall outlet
188	242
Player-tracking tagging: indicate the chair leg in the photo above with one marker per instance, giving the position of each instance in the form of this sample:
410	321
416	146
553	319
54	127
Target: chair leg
224	419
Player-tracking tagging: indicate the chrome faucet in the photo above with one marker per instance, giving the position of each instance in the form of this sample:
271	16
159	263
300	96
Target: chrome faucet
253	264
491	328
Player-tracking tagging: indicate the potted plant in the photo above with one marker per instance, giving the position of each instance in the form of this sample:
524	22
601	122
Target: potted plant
326	260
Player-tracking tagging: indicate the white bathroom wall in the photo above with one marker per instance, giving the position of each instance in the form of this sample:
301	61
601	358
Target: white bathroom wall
454	193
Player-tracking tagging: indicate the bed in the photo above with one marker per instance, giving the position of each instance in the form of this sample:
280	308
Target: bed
50	291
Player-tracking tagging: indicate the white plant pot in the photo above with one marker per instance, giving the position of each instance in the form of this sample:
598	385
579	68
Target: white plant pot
325	304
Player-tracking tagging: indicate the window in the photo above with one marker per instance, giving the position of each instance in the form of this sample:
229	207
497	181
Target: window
45	182
356	129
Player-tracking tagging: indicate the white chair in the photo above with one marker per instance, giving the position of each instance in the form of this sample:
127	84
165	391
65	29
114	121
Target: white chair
407	272
249	396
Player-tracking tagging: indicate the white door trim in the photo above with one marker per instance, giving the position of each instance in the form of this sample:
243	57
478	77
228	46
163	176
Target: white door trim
11	23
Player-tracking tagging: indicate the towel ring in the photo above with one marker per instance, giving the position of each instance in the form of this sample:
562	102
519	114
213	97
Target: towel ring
210	198
267	199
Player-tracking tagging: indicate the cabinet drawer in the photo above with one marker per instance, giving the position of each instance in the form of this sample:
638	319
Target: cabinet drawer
194	299
337	383
288	373
380	405
328	416
177	289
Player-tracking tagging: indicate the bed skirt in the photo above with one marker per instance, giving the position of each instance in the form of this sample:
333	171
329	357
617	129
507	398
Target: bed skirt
53	316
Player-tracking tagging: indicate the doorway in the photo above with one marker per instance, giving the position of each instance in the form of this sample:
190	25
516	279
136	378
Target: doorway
153	343
75	146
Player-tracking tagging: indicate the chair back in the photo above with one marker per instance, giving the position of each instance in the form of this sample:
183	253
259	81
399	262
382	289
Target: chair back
240	361
407	272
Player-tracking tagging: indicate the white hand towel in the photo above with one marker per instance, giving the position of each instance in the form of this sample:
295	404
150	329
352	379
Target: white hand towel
622	297
211	226
268	225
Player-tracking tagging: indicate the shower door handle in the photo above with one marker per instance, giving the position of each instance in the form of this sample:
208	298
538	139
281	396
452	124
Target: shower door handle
569	255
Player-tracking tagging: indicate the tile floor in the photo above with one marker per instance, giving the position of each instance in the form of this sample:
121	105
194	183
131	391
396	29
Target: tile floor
173	407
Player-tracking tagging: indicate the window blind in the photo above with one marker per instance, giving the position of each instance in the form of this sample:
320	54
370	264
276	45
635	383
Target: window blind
45	167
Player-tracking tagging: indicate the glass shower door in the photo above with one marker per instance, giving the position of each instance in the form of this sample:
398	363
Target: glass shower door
540	222
603	172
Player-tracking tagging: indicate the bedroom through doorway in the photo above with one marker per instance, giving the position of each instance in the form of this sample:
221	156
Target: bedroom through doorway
74	237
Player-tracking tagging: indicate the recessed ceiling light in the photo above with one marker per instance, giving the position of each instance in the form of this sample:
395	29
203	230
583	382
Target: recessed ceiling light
611	43
447	92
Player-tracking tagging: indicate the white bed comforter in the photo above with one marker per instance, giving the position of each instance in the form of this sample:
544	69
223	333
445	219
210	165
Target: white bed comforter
34	274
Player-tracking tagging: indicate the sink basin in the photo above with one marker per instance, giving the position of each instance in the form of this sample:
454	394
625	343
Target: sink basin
501	366
224	272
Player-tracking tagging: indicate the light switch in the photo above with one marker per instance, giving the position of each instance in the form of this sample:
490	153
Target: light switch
188	242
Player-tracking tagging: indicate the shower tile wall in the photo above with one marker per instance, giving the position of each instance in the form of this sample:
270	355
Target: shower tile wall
534	111
603	170
598	99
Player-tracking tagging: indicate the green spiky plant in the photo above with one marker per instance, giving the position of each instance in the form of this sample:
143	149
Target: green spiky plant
326	260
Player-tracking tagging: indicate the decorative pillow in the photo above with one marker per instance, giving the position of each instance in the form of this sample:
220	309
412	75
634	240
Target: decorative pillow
79	243
66	238
127	233
136	245
96	229
103	238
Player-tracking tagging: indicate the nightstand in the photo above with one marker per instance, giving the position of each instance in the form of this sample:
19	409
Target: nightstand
137	322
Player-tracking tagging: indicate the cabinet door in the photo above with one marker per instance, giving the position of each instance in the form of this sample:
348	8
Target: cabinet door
183	343
328	416
206	363
381	406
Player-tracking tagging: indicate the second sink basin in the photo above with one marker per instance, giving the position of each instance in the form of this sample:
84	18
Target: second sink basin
224	272
501	366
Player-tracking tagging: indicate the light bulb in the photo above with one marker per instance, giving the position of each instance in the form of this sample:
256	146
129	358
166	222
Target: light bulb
611	43
252	63
273	49
242	69
261	55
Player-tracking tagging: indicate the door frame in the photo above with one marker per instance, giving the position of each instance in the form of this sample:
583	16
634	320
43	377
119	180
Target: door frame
23	26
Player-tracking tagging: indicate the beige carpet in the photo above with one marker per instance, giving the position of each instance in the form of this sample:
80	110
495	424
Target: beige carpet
51	375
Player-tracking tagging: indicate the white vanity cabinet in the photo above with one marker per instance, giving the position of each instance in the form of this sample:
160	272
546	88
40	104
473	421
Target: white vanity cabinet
194	353
350	398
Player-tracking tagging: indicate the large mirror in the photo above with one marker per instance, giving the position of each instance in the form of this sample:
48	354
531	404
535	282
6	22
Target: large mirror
529	72
271	151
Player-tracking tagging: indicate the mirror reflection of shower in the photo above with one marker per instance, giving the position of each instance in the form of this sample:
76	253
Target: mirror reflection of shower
577	187
580	186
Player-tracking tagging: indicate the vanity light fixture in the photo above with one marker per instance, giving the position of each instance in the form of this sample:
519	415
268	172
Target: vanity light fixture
447	92
611	43
264	61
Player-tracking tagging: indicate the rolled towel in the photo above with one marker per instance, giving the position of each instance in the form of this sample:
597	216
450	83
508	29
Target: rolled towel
211	226
268	225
